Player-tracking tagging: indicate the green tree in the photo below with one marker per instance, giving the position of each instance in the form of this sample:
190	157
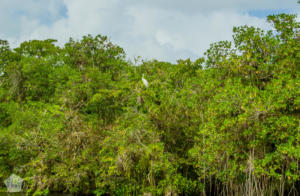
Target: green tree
78	119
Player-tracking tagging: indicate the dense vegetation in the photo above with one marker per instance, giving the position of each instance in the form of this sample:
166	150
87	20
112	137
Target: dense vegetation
78	118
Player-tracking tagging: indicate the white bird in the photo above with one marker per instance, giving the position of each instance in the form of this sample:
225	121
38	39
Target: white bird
145	81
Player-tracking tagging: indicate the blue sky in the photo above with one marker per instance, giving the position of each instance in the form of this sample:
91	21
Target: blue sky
161	29
263	13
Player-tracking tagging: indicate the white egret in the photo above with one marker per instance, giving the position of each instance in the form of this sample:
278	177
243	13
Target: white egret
145	81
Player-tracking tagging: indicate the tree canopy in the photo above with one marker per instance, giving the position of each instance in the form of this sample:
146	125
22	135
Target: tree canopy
78	119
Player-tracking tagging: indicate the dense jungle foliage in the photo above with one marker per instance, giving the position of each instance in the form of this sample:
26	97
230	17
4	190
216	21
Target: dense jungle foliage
78	118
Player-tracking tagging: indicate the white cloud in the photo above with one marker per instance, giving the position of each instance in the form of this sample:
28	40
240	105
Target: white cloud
161	29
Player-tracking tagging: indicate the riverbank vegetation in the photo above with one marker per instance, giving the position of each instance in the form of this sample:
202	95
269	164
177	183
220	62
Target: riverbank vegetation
78	119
